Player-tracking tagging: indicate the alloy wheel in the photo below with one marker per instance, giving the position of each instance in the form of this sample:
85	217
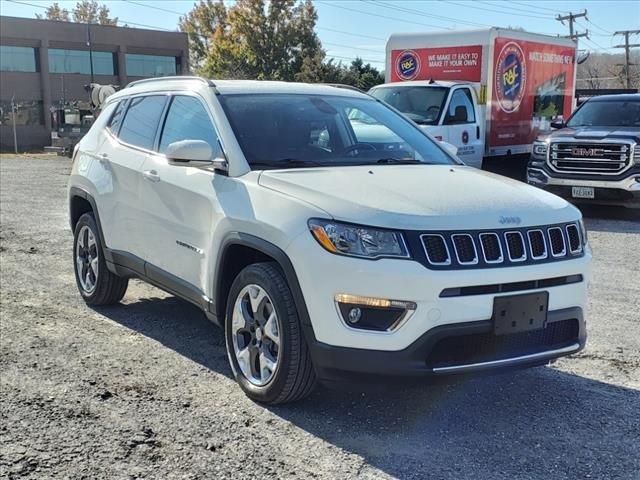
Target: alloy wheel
87	259
256	335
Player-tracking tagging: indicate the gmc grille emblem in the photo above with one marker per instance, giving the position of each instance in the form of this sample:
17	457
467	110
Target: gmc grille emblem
587	152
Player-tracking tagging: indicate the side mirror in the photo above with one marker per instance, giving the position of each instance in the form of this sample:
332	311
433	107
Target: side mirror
189	153
557	124
452	149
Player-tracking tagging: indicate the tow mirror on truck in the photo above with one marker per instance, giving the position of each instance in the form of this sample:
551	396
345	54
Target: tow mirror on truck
557	124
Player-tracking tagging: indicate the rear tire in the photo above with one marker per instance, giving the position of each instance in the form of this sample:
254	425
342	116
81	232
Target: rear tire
97	285
267	351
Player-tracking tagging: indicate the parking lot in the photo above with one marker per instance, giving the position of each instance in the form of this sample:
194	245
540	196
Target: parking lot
144	390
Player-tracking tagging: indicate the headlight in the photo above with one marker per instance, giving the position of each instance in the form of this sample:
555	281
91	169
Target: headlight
540	149
358	241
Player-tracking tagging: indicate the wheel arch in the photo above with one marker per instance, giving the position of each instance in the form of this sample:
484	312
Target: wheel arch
81	202
238	250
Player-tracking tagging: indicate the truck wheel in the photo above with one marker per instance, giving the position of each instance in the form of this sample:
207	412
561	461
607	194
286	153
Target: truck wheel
97	285
266	348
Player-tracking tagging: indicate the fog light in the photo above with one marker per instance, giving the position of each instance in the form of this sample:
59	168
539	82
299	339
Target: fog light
370	313
354	315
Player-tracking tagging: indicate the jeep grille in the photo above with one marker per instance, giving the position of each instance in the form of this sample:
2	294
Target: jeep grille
500	248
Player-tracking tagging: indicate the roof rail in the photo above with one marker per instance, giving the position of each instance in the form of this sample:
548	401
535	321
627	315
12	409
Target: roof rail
170	78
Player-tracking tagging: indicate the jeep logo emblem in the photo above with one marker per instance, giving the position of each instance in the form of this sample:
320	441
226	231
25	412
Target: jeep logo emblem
587	152
510	220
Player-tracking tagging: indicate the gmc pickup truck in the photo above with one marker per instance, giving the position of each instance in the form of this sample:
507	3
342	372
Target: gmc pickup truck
595	156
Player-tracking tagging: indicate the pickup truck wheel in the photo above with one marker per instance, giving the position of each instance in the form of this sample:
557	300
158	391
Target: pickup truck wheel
97	285
266	348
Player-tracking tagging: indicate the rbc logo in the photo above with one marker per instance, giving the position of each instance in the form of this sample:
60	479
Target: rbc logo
510	77
407	65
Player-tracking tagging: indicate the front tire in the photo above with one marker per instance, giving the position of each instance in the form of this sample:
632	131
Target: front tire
265	345
97	285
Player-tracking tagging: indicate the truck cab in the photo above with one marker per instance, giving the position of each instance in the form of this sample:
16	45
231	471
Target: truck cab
448	111
595	156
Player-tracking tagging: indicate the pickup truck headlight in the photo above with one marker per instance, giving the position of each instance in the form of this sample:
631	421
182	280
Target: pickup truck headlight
358	241
540	149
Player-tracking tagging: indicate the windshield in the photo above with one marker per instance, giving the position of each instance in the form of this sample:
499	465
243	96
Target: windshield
299	130
607	114
421	104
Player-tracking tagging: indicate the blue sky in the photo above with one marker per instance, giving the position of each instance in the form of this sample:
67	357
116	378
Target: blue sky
350	28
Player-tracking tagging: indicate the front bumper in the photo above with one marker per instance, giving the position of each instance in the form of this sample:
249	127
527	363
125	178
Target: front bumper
323	275
421	358
622	190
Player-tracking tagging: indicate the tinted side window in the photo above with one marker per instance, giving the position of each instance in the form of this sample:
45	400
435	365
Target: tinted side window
187	120
141	121
116	118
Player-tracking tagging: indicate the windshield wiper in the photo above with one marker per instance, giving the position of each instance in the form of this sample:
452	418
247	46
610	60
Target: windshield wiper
286	162
400	161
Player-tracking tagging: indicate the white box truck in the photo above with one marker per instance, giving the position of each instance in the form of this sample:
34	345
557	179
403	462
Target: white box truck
488	92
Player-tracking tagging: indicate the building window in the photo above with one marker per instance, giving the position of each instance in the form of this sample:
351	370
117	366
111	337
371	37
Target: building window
150	65
28	112
77	61
18	59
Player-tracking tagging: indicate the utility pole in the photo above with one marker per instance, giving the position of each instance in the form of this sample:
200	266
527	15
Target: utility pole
627	51
14	109
572	18
90	49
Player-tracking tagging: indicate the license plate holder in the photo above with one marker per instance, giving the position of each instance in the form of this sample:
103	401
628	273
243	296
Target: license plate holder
520	313
583	192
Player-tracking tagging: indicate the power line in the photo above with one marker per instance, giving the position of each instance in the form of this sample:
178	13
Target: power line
395	7
123	21
154	7
204	36
374	14
536	13
599	28
539	7
352	34
352	47
484	9
590	40
353	58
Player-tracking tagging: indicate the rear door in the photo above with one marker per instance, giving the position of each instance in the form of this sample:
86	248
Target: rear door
180	202
463	128
133	130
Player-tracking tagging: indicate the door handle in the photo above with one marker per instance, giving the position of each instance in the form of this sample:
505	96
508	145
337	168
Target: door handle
104	158
151	175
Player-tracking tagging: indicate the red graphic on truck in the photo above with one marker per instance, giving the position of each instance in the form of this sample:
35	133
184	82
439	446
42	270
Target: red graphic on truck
447	63
532	85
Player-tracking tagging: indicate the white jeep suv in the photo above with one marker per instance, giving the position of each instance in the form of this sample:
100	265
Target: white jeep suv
330	237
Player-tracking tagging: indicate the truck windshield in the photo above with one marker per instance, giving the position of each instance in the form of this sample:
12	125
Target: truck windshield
607	114
421	104
301	130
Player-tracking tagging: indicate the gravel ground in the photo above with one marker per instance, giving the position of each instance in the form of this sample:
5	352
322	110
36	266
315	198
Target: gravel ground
143	389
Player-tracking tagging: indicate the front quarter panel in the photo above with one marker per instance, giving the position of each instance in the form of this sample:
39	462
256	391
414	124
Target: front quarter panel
249	208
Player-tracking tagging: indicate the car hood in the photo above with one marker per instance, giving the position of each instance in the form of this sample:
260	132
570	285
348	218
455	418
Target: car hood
598	133
421	197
